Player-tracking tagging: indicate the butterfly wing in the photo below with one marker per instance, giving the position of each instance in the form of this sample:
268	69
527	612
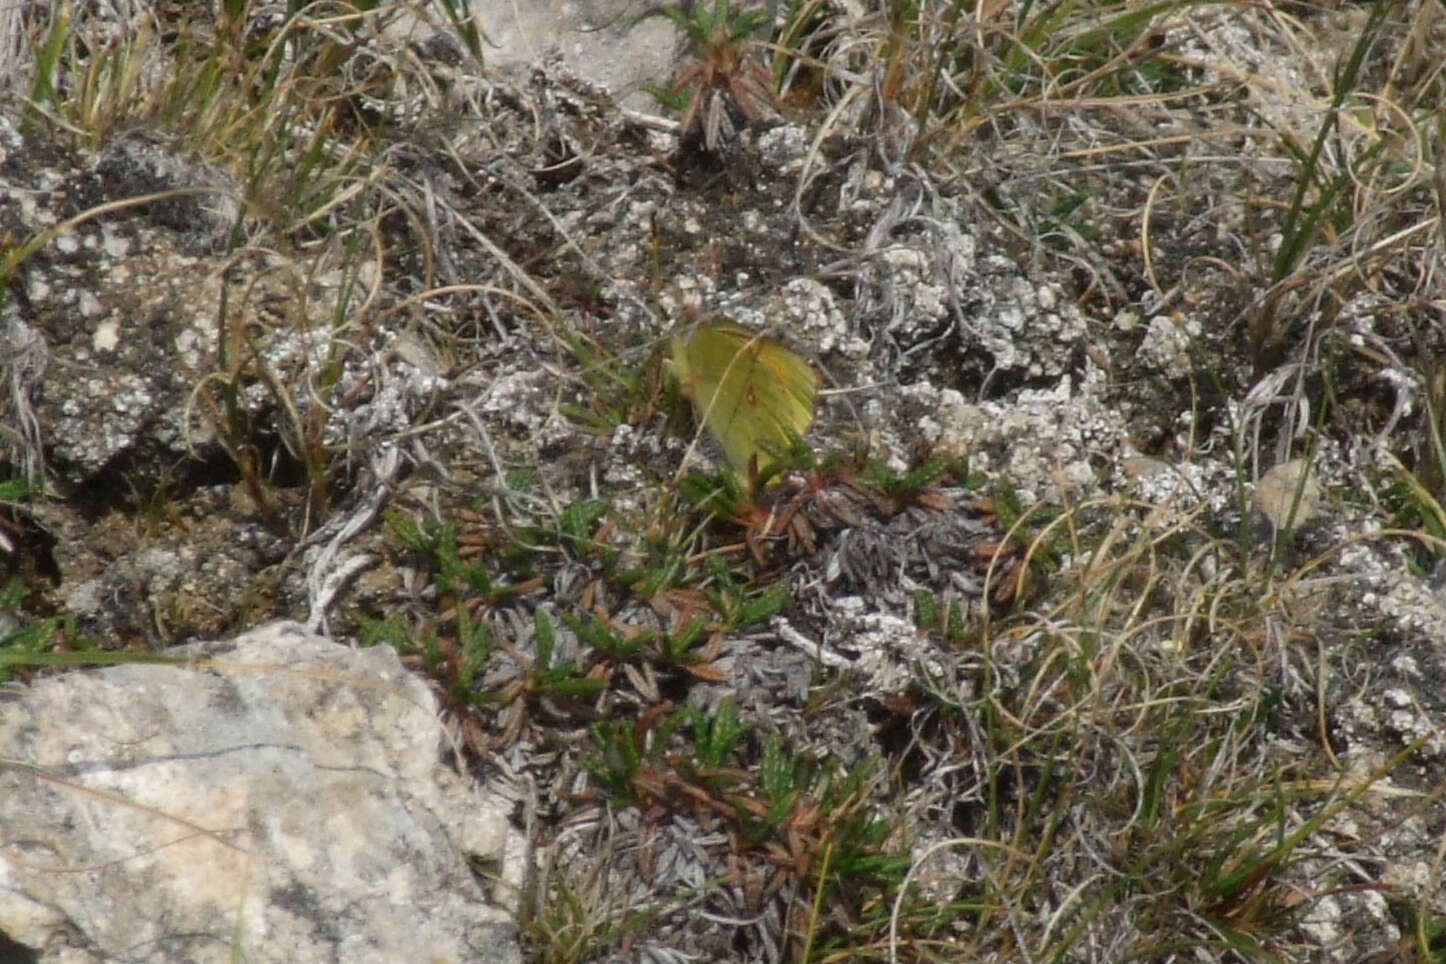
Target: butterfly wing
783	389
751	392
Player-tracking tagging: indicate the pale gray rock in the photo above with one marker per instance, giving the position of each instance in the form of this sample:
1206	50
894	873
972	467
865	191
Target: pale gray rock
623	44
279	798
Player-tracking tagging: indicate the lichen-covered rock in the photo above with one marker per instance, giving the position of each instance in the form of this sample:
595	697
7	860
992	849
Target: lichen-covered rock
277	797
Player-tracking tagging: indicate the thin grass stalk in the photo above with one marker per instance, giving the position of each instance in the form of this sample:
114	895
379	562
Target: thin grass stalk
47	66
1300	222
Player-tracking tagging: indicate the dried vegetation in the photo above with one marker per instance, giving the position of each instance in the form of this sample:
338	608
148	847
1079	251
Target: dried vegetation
1006	666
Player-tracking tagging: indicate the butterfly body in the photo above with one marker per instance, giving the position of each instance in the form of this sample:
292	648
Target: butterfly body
751	392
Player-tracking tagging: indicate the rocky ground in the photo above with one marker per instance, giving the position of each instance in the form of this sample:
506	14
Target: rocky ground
1051	648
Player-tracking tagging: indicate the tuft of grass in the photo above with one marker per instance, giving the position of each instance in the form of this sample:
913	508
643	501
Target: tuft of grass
726	84
1324	202
811	820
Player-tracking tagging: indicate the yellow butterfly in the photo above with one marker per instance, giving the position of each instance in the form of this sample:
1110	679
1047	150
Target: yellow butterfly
751	392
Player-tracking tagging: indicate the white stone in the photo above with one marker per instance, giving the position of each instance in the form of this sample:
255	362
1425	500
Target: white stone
278	797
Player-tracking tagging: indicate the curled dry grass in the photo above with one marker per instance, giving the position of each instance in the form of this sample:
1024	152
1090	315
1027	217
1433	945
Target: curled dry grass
1143	770
1150	769
1328	173
295	117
